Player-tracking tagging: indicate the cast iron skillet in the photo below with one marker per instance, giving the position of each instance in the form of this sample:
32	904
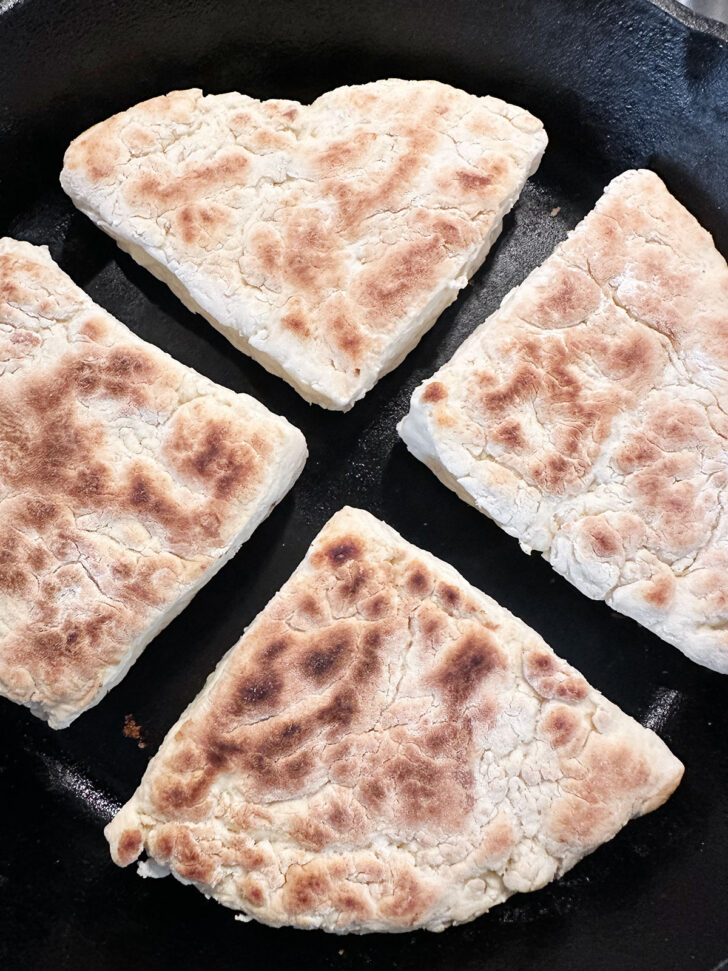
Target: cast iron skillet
618	83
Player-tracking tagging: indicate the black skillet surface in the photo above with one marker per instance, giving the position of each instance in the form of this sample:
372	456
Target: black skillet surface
618	84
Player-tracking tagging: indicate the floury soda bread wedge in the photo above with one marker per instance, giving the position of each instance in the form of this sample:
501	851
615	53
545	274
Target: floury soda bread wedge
588	416
126	481
323	240
386	748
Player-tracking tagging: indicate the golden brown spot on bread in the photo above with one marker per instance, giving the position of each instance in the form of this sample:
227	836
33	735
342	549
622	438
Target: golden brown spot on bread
440	738
209	452
434	392
464	668
167	191
418	581
472	181
376	607
138	138
569	298
668	490
369	661
322	663
636	452
264	140
25	338
295	770
13	579
307	888
510	434
449	595
410	899
297	323
38	513
39	559
575	821
345	818
552	473
342	550
96	153
163	845
674	499
274	751
431	623
121	372
344	153
309	257
311	833
95	328
497	843
372	793
129	846
634	355
240	121
149	500
340	711
275	649
352	582
418	790
524	384
552	677
250	857
255	894
353	905
266	249
612	771
547	376
400	276
454	232
572	688
357	199
612	767
189	860
660	590
347	335
259	690
13	582
560	725
604	540
20	297
709	584
200	225
176	797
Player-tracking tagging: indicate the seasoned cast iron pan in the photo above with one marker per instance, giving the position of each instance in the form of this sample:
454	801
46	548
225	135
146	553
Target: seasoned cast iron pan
618	83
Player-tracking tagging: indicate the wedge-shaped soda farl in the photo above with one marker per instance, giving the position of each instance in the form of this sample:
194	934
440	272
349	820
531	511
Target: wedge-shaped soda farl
321	240
386	748
126	481
588	416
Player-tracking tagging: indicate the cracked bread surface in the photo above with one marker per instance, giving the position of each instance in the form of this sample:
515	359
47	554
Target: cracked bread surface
386	748
126	481
322	240
588	416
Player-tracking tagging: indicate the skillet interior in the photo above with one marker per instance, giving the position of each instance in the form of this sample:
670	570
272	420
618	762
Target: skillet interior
617	85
